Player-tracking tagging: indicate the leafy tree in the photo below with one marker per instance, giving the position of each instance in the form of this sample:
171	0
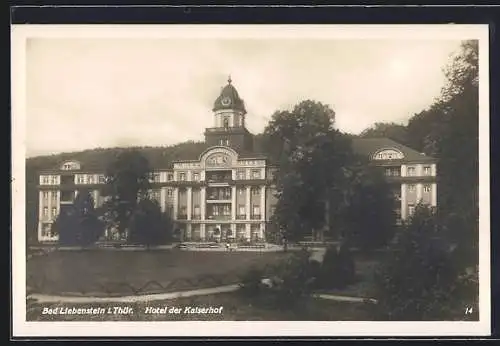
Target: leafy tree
394	131
288	130
79	224
370	195
127	181
449	131
149	226
418	278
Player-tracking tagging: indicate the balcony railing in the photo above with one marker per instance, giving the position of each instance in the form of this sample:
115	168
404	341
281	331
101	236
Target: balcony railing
255	217
218	217
219	198
213	179
182	217
241	217
196	217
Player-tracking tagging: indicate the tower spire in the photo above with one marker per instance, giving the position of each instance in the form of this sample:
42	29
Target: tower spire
229	80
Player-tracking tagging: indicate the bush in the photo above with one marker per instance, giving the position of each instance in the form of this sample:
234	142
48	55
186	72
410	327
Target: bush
337	270
287	283
418	279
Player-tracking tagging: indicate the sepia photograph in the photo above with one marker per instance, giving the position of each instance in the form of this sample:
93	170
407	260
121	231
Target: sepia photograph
292	180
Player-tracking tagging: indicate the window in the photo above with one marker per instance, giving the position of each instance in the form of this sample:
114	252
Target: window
45	211
182	176
156	177
54	196
427	170
411	209
411	188
256	174
170	177
226	122
273	209
102	179
241	209
81	179
255	191
196	210
427	188
45	179
54	211
90	179
256	210
155	194
196	176
392	171
47	230
53	179
241	175
411	171
226	210
45	195
183	210
169	192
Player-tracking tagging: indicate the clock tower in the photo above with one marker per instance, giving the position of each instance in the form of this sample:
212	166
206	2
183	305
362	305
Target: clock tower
229	121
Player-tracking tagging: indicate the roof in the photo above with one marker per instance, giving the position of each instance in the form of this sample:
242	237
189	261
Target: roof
370	146
229	99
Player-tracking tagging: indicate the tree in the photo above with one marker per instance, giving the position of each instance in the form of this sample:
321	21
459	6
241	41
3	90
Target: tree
149	226
79	224
127	181
369	195
449	130
416	281
288	130
394	131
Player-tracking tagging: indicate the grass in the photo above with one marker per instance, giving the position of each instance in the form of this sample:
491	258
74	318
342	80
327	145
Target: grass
122	272
234	308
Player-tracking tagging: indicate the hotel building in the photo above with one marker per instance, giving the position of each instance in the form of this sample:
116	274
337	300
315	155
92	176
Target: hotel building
226	191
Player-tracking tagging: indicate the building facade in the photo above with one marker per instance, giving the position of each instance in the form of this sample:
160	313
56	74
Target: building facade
226	192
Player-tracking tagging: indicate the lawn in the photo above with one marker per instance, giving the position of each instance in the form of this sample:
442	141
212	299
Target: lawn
102	273
234	308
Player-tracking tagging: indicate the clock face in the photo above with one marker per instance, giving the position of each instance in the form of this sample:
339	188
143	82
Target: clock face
226	101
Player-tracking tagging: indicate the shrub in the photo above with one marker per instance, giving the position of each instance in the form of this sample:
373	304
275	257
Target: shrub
337	269
418	278
251	282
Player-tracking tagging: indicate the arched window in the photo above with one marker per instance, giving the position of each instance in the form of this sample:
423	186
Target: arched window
226	122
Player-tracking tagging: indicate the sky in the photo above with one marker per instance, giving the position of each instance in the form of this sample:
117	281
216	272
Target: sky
84	93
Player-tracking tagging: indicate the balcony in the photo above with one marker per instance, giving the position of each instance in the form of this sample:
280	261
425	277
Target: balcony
196	217
182	217
219	179
219	217
241	217
255	217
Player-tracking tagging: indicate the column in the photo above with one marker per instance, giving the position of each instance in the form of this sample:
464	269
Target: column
233	202
189	202
262	230
403	170
203	201
263	202
202	231
176	202
403	201
420	188
40	214
433	170
163	198
247	204
434	195
247	231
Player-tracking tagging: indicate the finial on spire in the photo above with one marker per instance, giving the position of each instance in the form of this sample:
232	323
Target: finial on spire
229	80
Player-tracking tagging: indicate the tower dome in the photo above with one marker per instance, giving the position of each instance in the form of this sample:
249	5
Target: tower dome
229	99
